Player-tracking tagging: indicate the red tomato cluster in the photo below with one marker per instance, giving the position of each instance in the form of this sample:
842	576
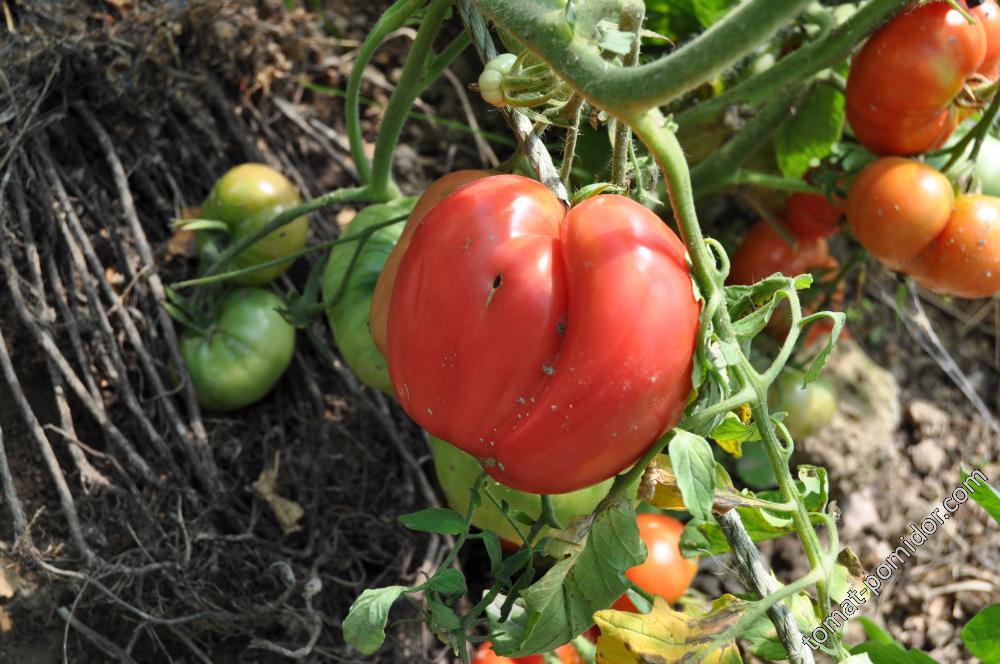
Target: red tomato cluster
511	330
485	655
902	83
906	214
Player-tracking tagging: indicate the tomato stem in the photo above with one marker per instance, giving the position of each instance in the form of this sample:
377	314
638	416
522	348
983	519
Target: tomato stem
390	21
573	110
756	178
631	19
976	136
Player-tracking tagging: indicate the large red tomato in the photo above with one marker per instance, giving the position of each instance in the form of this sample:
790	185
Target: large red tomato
378	317
665	572
964	259
896	207
903	80
485	655
554	347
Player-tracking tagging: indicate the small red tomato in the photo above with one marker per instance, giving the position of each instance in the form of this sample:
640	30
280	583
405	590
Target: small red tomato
988	13
896	207
485	655
763	252
964	260
811	216
665	572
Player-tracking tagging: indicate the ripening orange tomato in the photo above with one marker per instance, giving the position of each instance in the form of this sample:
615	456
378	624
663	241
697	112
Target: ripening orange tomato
665	572
485	655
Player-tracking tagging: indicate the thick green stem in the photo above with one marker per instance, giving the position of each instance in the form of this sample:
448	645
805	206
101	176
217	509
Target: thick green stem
769	181
542	28
800	65
573	109
410	85
287	217
390	21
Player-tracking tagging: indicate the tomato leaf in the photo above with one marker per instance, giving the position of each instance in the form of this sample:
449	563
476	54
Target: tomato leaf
731	433
693	463
984	494
560	605
810	134
816	366
875	633
888	653
493	550
981	634
364	627
447	582
665	635
435	520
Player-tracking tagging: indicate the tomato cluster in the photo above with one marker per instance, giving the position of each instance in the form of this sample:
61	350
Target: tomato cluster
907	215
902	84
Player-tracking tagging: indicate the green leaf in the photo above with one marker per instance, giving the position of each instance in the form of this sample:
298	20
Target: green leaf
443	617
816	366
754	468
984	494
887	653
810	134
694	466
435	520
364	627
447	582
560	605
981	634
875	633
492	543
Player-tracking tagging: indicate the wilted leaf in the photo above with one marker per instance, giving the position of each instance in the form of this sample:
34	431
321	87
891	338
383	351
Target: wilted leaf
364	627
287	512
665	635
667	495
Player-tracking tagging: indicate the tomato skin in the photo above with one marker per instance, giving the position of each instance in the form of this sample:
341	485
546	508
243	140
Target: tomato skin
810	409
907	74
246	351
665	572
763	252
379	316
246	198
964	259
349	316
457	471
989	14
896	207
502	317
811	216
485	655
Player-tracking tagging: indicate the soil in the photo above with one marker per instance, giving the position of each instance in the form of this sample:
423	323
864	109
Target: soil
183	91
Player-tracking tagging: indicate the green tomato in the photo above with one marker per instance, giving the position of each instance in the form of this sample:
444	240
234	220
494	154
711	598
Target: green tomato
246	198
243	353
988	166
810	409
457	472
348	316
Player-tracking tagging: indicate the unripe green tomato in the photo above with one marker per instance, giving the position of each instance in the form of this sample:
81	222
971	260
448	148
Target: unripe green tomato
457	472
246	198
348	316
491	80
988	166
244	352
810	409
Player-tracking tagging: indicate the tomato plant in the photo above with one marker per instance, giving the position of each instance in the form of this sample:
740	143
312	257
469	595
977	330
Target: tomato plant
899	103
514	343
456	472
246	198
567	654
239	358
349	303
665	572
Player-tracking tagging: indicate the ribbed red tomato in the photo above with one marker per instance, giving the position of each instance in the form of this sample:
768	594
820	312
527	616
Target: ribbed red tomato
905	77
665	572
554	347
485	655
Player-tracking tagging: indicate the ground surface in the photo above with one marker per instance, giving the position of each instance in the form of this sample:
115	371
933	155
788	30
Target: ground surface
186	89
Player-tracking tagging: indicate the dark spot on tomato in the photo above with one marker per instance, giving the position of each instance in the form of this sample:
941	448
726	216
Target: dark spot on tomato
498	280
561	326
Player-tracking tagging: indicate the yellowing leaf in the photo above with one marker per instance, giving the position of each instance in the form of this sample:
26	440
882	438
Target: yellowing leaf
665	635
667	494
287	512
